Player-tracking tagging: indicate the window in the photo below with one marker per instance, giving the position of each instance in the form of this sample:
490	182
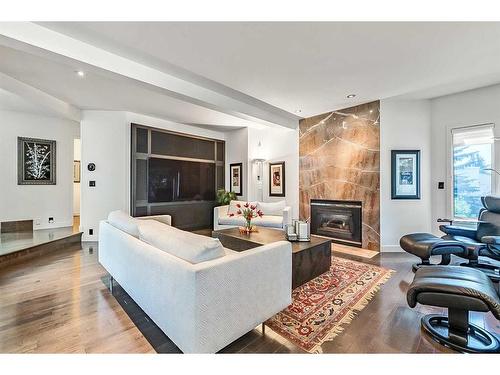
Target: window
472	156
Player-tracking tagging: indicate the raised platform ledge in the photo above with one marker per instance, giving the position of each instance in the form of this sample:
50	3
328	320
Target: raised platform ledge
20	246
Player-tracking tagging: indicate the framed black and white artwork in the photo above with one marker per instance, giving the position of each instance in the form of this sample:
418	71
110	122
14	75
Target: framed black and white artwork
405	174
277	179
36	161
236	178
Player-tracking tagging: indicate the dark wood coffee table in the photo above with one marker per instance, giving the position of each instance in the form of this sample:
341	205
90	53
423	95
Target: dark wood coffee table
309	259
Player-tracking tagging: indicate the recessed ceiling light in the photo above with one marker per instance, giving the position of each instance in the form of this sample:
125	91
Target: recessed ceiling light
371	110
80	73
350	96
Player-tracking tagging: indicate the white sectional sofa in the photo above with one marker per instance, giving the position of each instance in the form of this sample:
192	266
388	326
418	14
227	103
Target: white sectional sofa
203	296
276	215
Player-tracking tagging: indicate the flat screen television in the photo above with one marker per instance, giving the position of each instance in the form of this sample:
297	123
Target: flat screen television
179	180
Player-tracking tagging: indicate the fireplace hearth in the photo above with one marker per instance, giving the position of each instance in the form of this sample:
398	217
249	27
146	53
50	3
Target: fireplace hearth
339	220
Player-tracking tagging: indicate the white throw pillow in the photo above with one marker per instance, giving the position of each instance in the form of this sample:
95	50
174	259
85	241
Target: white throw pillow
233	209
124	222
272	208
191	247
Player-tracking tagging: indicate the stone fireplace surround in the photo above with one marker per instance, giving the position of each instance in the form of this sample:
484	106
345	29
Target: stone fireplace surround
339	159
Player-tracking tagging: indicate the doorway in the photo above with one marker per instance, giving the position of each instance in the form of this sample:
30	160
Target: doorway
76	183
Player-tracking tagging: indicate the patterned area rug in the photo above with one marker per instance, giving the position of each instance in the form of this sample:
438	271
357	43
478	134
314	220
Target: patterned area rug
322	306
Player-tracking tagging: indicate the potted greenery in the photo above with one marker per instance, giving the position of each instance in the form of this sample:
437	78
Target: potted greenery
224	197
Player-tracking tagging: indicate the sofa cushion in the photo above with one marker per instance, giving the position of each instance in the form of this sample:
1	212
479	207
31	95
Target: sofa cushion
272	208
191	247
124	222
269	221
233	209
231	220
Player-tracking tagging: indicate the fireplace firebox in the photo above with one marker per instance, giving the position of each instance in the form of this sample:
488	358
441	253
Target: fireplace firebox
338	219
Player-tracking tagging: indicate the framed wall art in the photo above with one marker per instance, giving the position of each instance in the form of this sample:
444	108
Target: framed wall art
405	174
277	179
236	178
36	161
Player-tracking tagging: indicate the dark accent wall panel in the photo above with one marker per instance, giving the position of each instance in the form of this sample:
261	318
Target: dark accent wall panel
142	140
191	216
181	146
176	150
141	179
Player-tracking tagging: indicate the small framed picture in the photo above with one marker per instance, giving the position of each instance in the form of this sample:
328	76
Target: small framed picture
236	178
76	171
405	174
277	179
36	161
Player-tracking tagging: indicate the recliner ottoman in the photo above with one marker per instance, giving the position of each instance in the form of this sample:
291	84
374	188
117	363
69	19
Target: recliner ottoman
424	245
460	290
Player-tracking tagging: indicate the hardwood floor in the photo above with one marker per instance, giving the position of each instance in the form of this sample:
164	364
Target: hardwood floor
76	223
59	304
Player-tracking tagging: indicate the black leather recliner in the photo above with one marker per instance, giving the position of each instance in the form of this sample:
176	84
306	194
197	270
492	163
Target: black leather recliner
484	240
467	243
425	245
460	290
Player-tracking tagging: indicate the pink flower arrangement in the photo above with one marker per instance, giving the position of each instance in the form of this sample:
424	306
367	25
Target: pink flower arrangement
249	212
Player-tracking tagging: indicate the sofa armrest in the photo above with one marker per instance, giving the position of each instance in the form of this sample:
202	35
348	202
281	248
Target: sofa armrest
218	212
287	216
165	219
236	293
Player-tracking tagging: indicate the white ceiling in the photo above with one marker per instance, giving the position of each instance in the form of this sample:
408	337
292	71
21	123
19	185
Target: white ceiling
13	102
104	91
271	66
312	66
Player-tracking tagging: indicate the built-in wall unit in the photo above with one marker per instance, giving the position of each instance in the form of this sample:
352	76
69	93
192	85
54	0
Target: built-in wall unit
175	174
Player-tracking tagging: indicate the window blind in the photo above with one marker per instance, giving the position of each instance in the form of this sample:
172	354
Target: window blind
473	135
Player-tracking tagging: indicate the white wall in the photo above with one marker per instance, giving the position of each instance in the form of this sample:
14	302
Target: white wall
105	141
276	145
37	202
77	155
468	108
237	152
404	124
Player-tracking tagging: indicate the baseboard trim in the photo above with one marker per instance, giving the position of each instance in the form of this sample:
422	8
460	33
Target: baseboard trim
392	249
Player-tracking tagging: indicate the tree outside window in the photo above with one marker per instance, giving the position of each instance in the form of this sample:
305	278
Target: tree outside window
471	157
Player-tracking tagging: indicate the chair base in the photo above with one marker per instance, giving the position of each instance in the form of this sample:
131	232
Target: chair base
445	260
457	333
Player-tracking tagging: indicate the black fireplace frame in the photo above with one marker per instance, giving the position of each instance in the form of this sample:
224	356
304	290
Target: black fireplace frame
347	203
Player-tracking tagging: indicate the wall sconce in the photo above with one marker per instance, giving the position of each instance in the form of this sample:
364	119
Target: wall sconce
259	162
260	169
